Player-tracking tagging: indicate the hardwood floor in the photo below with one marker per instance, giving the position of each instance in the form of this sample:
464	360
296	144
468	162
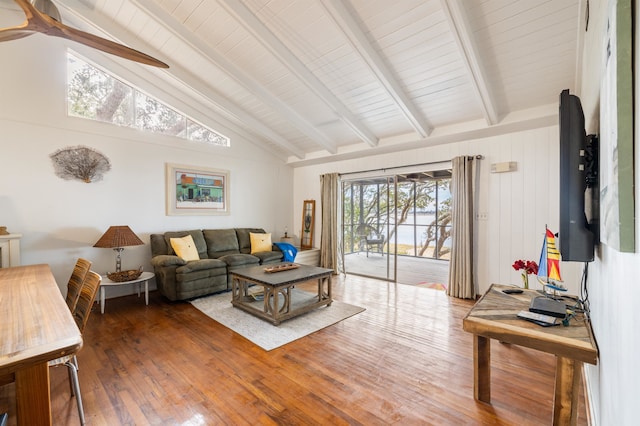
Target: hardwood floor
405	360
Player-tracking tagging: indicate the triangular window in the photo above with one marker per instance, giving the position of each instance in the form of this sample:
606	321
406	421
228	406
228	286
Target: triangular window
97	95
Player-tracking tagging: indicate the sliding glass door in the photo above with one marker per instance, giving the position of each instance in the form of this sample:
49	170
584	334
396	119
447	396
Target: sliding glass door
398	227
366	206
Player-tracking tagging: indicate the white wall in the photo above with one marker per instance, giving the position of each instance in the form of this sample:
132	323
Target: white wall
517	204
61	220
614	384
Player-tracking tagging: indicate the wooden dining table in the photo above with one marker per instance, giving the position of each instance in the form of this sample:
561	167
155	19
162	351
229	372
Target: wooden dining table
36	326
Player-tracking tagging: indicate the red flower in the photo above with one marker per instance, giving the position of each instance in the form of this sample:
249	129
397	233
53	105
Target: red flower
529	266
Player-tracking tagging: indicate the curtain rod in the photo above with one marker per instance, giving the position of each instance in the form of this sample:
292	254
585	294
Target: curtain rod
469	157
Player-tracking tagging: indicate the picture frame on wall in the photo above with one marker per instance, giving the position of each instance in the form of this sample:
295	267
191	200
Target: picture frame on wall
617	210
194	191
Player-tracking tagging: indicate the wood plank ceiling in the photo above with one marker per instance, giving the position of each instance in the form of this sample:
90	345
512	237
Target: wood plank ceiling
319	80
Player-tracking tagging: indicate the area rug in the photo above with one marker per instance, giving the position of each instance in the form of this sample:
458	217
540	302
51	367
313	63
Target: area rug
265	334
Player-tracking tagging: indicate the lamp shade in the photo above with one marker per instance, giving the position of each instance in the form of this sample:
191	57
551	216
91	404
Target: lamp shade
118	236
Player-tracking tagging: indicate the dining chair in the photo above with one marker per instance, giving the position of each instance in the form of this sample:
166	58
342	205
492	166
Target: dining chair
74	285
80	315
75	282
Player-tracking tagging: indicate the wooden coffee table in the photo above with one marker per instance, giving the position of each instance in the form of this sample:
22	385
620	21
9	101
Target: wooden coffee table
270	295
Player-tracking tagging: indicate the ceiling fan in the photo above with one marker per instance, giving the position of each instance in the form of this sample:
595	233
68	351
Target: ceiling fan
43	17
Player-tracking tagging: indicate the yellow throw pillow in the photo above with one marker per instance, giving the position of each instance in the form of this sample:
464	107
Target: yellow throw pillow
185	248
260	242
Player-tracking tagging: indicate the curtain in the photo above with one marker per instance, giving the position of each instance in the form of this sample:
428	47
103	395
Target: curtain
329	228
461	277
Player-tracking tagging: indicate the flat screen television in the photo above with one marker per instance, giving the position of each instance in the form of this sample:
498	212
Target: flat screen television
577	235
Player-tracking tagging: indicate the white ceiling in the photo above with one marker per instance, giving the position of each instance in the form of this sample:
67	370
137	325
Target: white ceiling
319	80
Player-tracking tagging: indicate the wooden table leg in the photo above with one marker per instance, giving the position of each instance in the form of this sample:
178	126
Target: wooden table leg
235	289
565	400
322	294
482	368
276	317
33	395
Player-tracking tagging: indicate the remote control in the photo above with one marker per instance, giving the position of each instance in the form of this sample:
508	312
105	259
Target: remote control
544	320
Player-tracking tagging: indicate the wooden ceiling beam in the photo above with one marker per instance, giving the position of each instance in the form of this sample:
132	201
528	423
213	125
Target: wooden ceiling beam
400	143
269	41
188	79
461	31
343	17
237	74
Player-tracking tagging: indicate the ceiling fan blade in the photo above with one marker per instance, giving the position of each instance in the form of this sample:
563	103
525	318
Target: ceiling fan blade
39	21
14	33
63	31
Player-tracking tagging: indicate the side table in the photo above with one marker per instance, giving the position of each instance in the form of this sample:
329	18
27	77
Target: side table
144	278
495	316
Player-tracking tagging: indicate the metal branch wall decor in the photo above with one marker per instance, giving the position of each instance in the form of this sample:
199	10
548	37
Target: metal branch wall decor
80	162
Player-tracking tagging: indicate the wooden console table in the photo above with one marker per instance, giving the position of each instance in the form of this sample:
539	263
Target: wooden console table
494	316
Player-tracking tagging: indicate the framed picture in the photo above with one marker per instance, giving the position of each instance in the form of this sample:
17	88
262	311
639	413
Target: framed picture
193	191
616	131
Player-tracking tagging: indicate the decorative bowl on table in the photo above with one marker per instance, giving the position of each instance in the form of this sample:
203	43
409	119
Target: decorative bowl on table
282	267
124	276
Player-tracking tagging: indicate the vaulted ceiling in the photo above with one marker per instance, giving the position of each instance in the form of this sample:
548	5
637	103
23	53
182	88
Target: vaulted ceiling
318	80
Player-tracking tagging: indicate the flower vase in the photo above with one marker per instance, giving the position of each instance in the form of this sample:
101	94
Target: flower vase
525	280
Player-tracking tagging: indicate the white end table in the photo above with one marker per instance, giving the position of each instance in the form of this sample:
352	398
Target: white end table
144	278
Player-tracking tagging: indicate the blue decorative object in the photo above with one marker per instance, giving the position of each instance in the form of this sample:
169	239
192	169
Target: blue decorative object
289	250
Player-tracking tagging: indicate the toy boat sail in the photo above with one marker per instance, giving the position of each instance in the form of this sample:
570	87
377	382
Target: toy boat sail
549	265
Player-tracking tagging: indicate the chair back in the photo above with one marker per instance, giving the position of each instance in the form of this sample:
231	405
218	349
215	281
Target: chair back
75	282
85	301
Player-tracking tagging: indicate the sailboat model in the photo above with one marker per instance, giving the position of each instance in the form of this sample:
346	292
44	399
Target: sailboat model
549	265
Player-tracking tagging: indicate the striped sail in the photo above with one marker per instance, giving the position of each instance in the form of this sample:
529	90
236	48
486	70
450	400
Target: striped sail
549	265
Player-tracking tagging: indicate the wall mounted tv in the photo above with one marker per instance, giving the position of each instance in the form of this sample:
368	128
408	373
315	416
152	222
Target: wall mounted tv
579	224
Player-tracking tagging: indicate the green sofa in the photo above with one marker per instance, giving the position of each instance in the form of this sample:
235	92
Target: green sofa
220	250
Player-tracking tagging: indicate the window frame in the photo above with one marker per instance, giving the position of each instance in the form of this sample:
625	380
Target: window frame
217	138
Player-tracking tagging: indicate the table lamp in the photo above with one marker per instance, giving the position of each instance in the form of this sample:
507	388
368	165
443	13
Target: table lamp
118	237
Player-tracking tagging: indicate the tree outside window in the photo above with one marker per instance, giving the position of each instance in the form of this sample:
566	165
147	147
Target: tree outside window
423	212
97	95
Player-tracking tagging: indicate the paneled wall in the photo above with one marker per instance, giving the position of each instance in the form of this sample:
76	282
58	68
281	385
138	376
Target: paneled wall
512	208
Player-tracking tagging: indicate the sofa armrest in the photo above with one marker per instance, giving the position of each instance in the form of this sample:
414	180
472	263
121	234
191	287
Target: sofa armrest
167	260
